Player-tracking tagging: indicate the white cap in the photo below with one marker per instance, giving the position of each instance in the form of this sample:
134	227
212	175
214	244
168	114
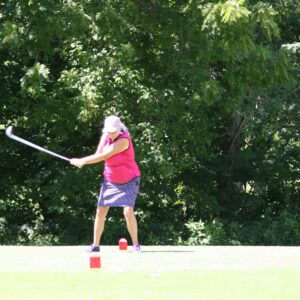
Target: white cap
112	124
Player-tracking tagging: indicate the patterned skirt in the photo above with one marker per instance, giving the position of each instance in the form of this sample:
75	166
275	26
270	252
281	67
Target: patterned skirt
119	195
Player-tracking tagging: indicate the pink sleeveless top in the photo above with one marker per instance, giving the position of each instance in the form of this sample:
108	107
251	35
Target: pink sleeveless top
122	167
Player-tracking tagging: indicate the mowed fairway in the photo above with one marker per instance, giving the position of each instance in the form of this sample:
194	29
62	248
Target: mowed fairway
158	272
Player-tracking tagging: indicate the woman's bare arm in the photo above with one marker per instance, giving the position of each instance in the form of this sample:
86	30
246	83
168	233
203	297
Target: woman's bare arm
101	143
115	148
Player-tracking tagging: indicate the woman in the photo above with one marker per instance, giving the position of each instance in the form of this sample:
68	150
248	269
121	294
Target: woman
121	178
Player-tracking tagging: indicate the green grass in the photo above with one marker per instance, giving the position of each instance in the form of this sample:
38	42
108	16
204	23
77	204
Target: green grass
100	284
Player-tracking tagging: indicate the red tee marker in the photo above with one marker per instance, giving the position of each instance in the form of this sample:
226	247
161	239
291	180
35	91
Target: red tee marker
123	244
95	262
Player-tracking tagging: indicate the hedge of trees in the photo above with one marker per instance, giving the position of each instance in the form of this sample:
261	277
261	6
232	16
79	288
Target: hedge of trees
208	89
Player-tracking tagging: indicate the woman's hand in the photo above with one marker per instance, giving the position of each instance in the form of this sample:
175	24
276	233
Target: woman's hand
77	162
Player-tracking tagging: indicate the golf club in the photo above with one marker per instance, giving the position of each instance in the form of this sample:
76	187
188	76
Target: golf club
9	133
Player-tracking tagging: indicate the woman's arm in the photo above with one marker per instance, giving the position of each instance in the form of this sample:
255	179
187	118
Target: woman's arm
101	143
115	148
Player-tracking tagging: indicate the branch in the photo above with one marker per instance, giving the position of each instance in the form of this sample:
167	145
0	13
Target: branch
238	132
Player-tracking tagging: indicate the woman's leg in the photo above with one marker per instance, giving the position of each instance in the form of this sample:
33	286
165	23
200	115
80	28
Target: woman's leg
99	223
131	224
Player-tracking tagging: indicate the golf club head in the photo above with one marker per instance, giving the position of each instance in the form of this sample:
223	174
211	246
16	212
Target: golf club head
8	131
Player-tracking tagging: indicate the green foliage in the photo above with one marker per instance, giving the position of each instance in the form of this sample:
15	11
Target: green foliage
4	232
34	80
269	230
208	89
232	10
210	233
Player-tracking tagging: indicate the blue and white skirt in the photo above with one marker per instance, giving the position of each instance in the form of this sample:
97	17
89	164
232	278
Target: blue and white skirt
119	195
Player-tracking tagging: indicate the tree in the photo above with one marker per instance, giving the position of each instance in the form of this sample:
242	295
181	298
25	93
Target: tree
200	84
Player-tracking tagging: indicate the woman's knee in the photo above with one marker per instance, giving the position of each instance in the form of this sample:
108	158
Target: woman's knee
102	212
128	212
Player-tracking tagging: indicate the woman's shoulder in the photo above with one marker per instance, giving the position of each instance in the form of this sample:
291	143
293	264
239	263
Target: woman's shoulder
125	134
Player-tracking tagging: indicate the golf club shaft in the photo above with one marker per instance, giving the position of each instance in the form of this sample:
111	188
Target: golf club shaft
16	138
